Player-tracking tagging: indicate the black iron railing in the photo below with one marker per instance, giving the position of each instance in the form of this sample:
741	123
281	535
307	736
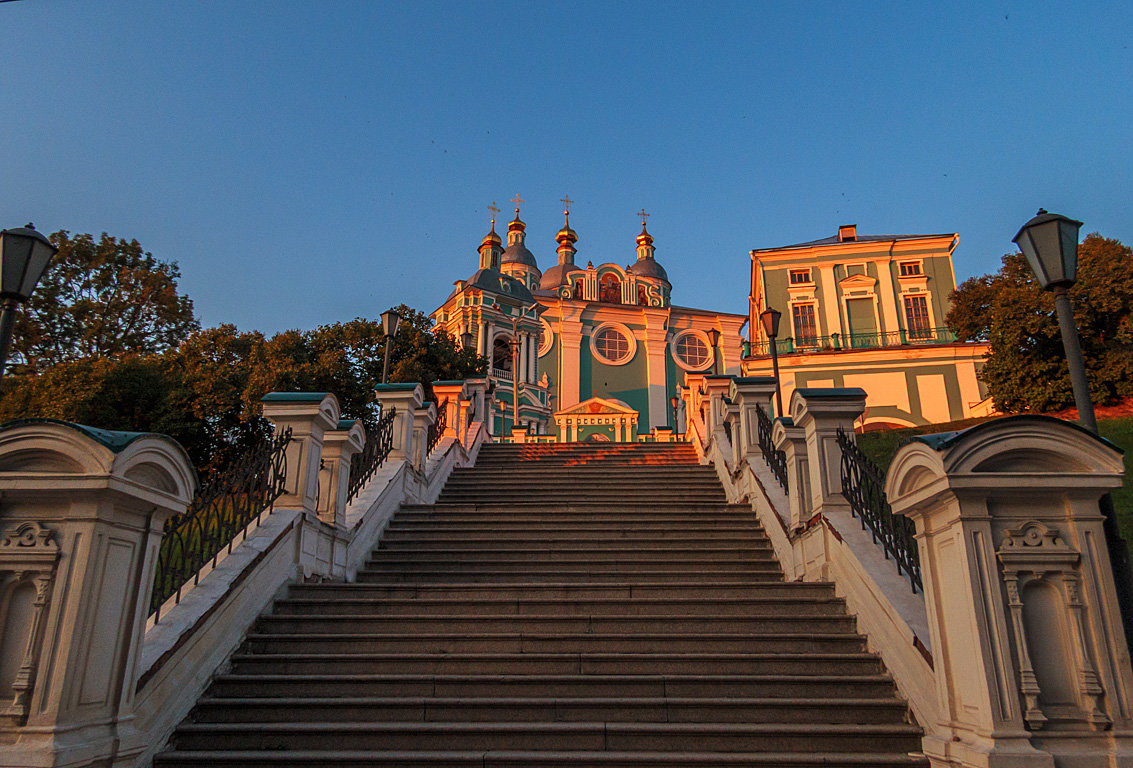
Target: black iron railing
437	428
379	442
220	513
863	485
775	459
838	341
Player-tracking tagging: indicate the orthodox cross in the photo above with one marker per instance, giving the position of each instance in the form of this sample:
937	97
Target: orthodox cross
643	215
494	211
517	200
567	203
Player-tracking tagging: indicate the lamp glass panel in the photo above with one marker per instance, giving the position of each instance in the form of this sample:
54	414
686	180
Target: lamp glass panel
16	253
1069	233
1048	250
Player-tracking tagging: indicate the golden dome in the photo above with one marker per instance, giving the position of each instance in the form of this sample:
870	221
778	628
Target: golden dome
566	233
644	238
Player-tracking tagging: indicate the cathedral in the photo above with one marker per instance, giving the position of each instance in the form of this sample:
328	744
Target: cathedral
584	352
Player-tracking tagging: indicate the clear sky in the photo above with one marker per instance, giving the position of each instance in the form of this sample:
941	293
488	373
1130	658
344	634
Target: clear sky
310	162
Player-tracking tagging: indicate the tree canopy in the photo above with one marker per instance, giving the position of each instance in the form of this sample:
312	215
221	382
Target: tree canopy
104	299
1026	368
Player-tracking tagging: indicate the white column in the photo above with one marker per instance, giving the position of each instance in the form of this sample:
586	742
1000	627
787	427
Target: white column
655	337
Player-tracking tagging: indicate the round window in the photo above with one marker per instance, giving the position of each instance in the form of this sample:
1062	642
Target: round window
692	351
613	344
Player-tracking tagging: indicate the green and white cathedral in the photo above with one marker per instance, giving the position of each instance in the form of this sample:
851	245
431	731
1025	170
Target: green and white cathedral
592	353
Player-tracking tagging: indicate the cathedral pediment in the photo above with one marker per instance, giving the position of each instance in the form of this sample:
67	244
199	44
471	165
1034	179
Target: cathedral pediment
598	405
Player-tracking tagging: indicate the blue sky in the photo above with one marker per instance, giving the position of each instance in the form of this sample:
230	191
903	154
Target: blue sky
306	163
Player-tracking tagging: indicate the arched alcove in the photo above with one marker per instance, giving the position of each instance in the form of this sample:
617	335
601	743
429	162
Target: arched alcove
1048	644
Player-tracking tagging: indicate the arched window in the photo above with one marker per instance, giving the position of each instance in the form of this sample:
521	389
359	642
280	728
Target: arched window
642	298
578	289
610	289
501	356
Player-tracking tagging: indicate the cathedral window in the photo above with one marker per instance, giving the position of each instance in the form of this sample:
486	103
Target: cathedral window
501	357
642	297
578	289
610	289
613	344
691	350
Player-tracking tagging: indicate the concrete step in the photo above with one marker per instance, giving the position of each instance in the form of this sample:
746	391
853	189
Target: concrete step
422	540
551	642
675	553
748	607
597	685
586	576
802	664
541	759
525	623
548	709
557	736
551	590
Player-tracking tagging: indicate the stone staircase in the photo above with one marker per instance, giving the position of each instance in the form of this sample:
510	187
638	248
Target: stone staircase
561	605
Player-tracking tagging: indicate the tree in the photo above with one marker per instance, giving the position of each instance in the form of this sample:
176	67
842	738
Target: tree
1026	369
102	300
422	353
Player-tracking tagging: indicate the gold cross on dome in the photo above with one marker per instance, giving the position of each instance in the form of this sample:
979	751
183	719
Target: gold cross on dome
643	215
567	203
494	211
517	200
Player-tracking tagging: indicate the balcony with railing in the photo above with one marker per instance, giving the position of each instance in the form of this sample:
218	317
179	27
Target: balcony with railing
837	342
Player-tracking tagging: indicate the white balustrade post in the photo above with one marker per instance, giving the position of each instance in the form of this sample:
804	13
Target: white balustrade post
1031	663
339	447
715	390
449	394
309	415
748	393
81	521
405	399
423	418
819	413
791	440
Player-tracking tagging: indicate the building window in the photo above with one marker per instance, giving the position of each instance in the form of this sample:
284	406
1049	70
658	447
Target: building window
578	289
610	289
806	330
613	344
691	350
909	269
501	357
642	298
800	276
917	322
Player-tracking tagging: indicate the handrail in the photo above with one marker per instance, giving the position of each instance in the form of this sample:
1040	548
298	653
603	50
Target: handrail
363	465
437	428
851	341
863	485
221	511
775	459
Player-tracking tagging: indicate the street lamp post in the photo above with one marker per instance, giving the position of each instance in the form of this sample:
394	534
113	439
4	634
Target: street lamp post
390	321
714	337
675	401
24	256
1049	242
770	319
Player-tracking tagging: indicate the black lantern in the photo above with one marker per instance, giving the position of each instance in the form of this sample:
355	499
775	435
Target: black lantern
770	320
390	321
467	339
24	256
1049	241
714	338
675	401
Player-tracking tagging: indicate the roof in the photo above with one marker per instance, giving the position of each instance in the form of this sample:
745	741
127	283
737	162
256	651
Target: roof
835	240
496	282
517	253
116	441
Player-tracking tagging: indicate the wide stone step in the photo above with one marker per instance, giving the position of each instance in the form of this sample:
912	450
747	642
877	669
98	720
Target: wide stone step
551	642
805	664
610	575
750	607
548	555
548	709
557	736
558	624
541	759
423	540
550	590
594	534
731	685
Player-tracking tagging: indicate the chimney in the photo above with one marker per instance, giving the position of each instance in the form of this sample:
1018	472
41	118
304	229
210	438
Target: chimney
847	233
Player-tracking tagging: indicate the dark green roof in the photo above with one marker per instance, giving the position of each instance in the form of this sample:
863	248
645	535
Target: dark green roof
115	441
939	441
294	397
846	392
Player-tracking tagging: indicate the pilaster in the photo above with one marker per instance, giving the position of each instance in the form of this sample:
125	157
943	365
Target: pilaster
309	415
339	446
406	398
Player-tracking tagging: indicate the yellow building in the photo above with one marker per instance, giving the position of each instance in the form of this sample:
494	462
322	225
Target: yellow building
868	311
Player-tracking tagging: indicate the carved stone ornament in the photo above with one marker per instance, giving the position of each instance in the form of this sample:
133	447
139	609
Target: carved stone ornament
28	553
1035	552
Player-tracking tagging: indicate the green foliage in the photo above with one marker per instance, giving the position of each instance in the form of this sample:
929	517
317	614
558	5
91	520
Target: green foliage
1026	369
1120	432
422	353
101	300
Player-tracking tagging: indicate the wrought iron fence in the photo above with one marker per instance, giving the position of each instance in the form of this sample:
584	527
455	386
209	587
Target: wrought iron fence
863	485
437	428
379	442
775	459
838	341
220	513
